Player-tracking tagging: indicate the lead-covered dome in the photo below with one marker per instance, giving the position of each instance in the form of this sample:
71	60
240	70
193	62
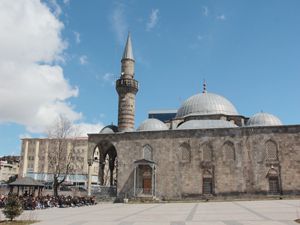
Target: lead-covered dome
206	104
206	124
151	125
264	119
110	129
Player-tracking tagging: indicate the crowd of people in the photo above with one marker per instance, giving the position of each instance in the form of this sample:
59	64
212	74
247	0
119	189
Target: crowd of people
30	202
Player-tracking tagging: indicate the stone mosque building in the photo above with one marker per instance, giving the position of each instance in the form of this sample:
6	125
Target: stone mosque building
206	149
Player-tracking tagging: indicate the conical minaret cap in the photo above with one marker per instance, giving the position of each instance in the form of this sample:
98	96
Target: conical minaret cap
128	54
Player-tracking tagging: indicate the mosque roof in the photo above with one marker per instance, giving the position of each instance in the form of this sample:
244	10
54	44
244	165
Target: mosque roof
264	119
151	125
206	104
206	124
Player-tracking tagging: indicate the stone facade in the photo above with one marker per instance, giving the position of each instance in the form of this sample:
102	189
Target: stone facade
237	160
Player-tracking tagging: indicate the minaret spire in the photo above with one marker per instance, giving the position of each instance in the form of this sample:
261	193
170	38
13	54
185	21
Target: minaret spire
128	53
127	87
204	86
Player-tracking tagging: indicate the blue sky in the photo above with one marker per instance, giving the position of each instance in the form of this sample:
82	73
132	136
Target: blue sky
67	58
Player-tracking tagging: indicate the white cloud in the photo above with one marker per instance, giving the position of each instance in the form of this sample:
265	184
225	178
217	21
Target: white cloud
205	11
153	19
119	23
77	37
66	2
83	59
26	135
221	17
82	129
54	6
33	88
110	78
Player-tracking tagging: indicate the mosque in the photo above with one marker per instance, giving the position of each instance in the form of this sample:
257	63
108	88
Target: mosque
204	149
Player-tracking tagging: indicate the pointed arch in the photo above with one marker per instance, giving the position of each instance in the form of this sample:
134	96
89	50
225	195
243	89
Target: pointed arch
272	173
107	163
271	150
228	151
207	152
274	181
147	152
185	152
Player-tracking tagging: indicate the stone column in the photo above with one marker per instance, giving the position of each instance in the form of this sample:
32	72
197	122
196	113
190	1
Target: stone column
25	158
89	183
111	169
46	172
36	159
134	181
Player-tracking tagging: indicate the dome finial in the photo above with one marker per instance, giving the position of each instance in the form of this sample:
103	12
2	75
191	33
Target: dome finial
204	86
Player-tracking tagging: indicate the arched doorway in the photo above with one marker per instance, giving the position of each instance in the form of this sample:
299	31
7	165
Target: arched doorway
207	183
106	160
273	182
144	178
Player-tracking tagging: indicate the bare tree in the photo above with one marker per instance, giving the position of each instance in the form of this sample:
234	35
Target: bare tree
61	151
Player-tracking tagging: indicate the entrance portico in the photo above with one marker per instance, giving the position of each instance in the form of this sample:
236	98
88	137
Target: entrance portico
144	178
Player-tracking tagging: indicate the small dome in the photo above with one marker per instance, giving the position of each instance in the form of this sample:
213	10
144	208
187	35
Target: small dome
206	124
152	124
264	119
206	104
110	129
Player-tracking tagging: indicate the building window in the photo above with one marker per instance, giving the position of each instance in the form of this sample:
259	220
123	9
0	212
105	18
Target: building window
207	153
228	151
207	185
185	152
274	185
147	152
271	151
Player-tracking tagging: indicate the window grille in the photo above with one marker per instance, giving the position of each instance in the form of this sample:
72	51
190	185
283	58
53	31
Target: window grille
271	151
274	185
207	185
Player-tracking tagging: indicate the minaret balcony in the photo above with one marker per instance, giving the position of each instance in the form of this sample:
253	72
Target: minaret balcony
125	85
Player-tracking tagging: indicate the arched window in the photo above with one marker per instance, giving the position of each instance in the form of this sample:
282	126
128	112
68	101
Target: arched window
271	151
185	152
228	151
207	153
147	152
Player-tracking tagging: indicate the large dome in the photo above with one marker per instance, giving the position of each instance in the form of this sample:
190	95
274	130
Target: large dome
152	124
206	104
206	124
264	119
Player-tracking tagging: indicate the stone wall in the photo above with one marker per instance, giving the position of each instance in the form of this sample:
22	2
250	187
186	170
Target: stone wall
239	160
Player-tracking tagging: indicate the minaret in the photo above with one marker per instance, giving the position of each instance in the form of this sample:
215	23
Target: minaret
127	87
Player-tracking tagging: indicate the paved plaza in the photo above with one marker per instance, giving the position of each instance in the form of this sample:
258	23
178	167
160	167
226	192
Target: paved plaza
272	212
